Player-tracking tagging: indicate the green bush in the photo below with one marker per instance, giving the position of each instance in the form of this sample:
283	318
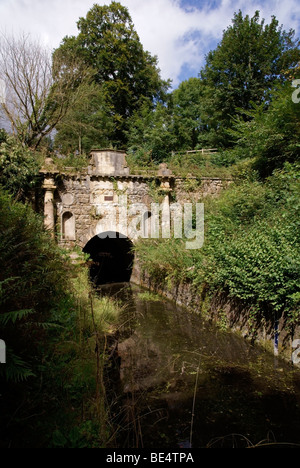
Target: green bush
253	242
251	247
19	167
55	328
32	269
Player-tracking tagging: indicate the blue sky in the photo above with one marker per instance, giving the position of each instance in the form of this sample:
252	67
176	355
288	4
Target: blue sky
179	32
188	4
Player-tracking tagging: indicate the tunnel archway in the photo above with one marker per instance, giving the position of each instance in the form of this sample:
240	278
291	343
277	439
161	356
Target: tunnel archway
111	258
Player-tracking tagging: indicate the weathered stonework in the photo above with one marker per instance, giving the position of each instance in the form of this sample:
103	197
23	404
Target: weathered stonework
193	189
95	202
78	206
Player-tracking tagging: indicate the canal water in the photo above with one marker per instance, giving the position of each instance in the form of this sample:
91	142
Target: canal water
182	382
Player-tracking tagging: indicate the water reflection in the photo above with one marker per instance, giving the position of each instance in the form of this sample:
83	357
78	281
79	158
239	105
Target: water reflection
184	382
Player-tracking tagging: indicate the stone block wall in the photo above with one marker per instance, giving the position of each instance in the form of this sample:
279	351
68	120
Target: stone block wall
89	204
94	201
189	190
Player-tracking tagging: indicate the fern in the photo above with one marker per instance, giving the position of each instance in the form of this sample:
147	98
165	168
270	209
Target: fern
15	369
14	316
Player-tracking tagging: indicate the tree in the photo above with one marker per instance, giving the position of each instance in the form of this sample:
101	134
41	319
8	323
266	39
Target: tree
242	69
37	90
151	133
270	137
173	126
87	123
187	111
108	43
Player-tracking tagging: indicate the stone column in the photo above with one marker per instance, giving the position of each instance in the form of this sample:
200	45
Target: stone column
49	171
165	187
49	221
165	206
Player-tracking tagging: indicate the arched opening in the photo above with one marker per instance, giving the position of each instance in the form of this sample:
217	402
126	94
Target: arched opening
146	224
68	226
112	258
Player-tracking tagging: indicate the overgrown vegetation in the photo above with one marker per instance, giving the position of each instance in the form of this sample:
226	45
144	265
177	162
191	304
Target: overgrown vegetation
251	248
19	167
239	75
102	89
71	162
55	328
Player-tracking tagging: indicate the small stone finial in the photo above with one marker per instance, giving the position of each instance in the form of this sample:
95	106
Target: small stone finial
49	160
49	167
163	170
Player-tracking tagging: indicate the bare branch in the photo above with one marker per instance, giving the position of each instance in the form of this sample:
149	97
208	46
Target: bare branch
38	93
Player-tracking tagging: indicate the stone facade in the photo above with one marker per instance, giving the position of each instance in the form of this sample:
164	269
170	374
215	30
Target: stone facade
79	206
96	204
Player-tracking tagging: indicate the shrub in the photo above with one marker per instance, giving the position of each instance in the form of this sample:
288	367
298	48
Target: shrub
19	167
33	275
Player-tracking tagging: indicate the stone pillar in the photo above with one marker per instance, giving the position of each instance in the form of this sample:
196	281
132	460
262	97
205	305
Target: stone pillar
165	175
165	205
49	171
49	221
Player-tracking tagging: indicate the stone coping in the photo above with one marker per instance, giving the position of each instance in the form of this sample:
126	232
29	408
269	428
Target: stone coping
84	173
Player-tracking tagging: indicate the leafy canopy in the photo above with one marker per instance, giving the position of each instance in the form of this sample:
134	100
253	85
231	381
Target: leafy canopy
108	43
270	137
242	70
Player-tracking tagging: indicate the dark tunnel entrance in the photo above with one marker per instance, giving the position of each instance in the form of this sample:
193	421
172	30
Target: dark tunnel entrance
111	258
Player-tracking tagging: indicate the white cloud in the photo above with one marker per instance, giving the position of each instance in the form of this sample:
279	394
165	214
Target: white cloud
49	20
179	37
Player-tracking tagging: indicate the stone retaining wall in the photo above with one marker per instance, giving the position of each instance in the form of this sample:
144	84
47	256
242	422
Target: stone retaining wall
229	313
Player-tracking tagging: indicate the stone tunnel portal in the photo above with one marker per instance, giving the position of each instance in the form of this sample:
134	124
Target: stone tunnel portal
111	258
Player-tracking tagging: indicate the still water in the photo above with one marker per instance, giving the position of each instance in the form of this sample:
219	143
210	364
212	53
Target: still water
182	382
